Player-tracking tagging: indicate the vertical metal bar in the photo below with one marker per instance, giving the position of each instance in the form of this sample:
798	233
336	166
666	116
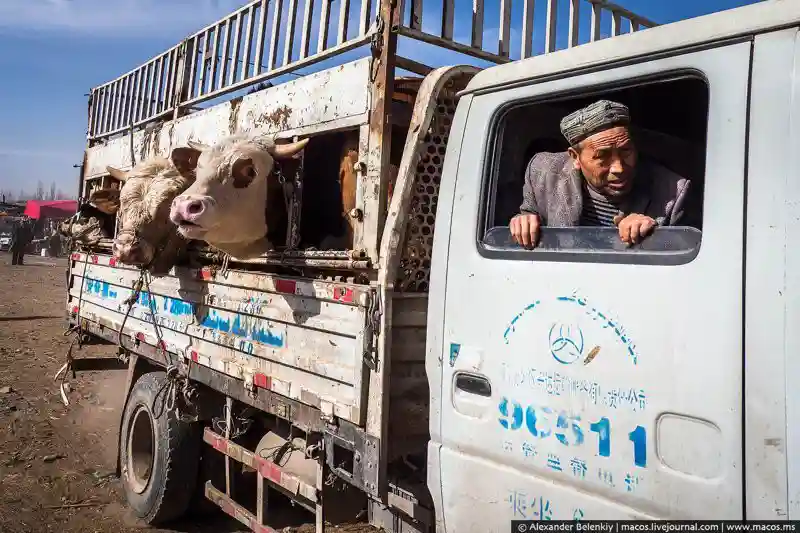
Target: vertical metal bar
477	23
505	28
225	59
616	24
212	74
131	98
228	417
92	112
288	44
184	84
527	28
123	100
552	25
137	87
106	98
574	22
305	37
634	26
112	117
97	103
597	12
237	46
260	498
416	14
155	90
159	65
172	75
366	8
319	509
276	31
248	43
143	91
324	23
448	17
344	14
262	28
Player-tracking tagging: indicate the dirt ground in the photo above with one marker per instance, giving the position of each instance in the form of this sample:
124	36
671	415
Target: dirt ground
56	462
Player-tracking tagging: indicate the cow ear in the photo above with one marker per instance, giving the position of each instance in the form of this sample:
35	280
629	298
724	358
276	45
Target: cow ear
185	159
116	173
243	172
105	200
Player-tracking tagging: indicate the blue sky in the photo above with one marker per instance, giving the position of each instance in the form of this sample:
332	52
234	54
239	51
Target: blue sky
54	51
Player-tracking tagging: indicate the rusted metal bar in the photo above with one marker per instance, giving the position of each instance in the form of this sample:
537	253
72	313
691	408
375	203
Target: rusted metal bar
527	28
550	31
251	22
597	12
220	82
452	45
324	23
616	24
201	84
412	66
505	28
448	18
344	14
574	22
262	29
234	510
291	21
237	45
634	26
185	83
477	24
415	22
169	79
119	117
305	37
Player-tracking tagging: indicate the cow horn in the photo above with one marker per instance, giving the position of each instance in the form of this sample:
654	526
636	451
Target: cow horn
197	146
285	151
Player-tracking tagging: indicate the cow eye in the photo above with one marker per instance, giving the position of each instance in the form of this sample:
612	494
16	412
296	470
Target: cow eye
243	173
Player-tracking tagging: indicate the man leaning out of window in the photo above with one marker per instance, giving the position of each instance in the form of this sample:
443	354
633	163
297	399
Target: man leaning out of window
599	181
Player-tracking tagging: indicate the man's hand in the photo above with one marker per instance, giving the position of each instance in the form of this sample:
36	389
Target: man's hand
634	227
525	229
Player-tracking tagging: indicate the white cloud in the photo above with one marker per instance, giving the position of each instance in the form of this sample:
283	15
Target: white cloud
113	17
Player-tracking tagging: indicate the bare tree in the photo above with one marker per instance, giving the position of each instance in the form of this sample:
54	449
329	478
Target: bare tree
52	195
39	191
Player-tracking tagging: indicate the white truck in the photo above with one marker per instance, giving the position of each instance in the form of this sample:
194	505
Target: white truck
435	373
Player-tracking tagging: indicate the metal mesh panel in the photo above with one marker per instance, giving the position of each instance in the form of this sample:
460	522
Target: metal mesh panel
415	264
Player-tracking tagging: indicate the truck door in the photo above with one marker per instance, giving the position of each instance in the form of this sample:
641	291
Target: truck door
584	379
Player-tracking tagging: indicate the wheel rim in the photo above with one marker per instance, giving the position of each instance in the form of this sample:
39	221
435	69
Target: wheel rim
141	450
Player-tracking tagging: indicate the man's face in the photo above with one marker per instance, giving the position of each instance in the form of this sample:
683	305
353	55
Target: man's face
607	160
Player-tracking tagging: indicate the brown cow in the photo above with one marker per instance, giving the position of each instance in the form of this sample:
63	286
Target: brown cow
146	237
226	205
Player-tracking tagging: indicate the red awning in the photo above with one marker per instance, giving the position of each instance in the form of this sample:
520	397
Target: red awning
54	209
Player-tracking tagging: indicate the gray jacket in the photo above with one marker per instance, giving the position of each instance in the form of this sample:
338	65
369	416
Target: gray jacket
554	190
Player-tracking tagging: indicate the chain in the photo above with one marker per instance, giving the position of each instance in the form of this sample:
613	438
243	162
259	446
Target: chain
376	46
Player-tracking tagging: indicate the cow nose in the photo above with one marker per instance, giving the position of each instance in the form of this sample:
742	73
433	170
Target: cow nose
195	208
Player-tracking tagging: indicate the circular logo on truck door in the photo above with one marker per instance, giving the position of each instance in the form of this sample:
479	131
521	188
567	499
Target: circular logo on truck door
566	343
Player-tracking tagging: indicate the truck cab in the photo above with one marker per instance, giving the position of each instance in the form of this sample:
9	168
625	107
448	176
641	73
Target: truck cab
585	379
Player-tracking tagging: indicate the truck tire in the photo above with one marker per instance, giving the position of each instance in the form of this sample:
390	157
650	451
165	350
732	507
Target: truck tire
159	457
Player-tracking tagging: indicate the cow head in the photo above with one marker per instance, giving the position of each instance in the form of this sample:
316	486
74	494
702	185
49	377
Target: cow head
226	204
144	202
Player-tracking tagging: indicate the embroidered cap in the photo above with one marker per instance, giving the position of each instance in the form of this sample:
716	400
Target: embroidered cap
593	118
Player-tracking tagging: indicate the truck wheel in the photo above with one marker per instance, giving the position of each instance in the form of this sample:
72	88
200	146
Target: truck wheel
159	456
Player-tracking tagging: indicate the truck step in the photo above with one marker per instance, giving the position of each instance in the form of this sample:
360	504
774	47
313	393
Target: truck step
291	485
233	509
